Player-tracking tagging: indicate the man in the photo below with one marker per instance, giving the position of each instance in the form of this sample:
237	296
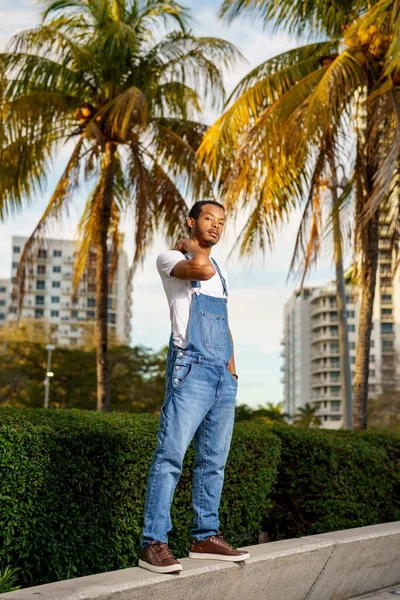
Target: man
201	390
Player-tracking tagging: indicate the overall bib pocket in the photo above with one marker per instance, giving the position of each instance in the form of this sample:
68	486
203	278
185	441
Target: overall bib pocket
213	331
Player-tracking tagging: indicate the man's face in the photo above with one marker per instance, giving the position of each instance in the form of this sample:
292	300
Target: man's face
209	225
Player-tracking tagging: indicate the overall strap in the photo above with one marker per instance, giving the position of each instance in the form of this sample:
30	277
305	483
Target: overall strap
221	276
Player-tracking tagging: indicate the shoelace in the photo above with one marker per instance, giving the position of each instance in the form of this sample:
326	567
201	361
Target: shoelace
162	550
219	538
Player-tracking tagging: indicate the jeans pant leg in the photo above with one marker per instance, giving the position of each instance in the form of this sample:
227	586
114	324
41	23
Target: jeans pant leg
184	408
212	443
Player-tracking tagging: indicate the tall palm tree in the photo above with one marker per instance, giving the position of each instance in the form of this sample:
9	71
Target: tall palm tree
273	145
93	77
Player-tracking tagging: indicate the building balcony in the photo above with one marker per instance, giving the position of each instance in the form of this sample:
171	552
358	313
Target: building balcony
324	368
324	383
323	323
317	337
317	310
324	354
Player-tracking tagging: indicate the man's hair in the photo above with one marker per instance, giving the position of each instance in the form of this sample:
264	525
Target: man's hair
198	206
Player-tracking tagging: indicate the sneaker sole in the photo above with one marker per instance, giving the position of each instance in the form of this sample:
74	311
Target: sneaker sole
155	569
227	557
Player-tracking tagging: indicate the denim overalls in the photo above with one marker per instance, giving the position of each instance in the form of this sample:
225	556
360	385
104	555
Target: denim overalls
200	404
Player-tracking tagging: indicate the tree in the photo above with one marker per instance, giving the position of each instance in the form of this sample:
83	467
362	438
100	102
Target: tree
92	77
137	376
306	416
274	145
271	413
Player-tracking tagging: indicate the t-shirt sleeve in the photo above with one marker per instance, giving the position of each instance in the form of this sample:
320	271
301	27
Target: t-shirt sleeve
167	261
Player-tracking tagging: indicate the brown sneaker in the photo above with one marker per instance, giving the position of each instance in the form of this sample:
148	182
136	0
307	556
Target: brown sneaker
216	547
158	558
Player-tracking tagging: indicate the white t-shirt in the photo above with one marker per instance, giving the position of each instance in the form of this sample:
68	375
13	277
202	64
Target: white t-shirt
179	293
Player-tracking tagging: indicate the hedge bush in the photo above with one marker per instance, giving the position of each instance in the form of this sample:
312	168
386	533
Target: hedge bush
73	486
333	480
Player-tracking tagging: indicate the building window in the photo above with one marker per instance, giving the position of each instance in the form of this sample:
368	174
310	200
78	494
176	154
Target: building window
57	253
91	302
2	317
353	360
74	314
39	300
41	269
42	253
90	314
351	314
372	358
372	343
16	249
15	265
386	312
2	302
56	284
39	312
55	313
335	417
352	345
56	269
386	298
3	290
40	284
74	341
335	405
55	299
13	310
351	328
372	373
386	327
387	345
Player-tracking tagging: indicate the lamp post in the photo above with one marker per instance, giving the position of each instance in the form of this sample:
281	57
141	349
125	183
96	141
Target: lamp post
49	374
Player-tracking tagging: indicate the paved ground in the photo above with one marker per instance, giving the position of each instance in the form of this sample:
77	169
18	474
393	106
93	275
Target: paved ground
383	595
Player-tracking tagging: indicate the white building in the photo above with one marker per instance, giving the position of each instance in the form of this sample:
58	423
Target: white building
48	293
311	350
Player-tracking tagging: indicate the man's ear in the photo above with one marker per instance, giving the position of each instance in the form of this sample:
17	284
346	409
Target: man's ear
190	222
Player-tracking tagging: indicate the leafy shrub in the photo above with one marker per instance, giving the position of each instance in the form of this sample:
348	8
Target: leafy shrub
73	487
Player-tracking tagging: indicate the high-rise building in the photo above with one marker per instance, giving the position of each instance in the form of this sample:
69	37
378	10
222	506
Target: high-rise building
311	348
49	295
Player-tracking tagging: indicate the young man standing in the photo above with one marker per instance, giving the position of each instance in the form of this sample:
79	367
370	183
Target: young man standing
201	390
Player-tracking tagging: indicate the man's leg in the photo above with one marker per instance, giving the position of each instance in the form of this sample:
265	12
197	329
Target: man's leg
212	443
184	408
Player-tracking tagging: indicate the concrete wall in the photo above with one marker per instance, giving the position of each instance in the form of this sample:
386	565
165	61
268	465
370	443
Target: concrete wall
331	566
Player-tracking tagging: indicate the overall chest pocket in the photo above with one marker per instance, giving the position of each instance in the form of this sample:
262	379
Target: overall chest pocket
213	331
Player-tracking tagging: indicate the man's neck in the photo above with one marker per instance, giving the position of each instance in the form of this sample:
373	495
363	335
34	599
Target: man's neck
204	247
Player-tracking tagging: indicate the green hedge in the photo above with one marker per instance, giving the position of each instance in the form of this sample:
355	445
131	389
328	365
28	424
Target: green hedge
333	480
73	486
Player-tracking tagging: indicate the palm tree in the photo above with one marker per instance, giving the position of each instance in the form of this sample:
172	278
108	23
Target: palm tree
306	416
91	76
271	413
274	145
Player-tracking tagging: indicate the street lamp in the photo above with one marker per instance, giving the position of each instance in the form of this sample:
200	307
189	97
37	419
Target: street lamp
49	374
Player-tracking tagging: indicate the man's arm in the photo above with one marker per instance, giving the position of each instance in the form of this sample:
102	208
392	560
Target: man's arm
231	364
198	268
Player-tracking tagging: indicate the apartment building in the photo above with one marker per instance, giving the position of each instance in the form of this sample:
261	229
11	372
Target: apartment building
49	298
311	350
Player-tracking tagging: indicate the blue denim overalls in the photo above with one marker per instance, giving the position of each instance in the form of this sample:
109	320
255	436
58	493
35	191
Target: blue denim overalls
200	404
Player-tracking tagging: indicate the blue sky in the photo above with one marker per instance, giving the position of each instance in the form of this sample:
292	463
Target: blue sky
257	291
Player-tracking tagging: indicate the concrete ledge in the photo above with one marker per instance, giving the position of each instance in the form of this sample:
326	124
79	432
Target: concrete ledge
331	566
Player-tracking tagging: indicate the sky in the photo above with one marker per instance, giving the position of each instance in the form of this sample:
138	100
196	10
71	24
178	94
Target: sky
258	290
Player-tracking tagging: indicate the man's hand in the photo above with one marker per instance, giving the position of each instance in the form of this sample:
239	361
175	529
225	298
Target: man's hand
188	245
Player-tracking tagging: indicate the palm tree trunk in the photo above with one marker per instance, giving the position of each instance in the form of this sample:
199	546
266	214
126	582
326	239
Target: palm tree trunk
102	271
367	282
344	351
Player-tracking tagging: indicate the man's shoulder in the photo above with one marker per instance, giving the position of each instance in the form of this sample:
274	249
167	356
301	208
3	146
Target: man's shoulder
167	260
